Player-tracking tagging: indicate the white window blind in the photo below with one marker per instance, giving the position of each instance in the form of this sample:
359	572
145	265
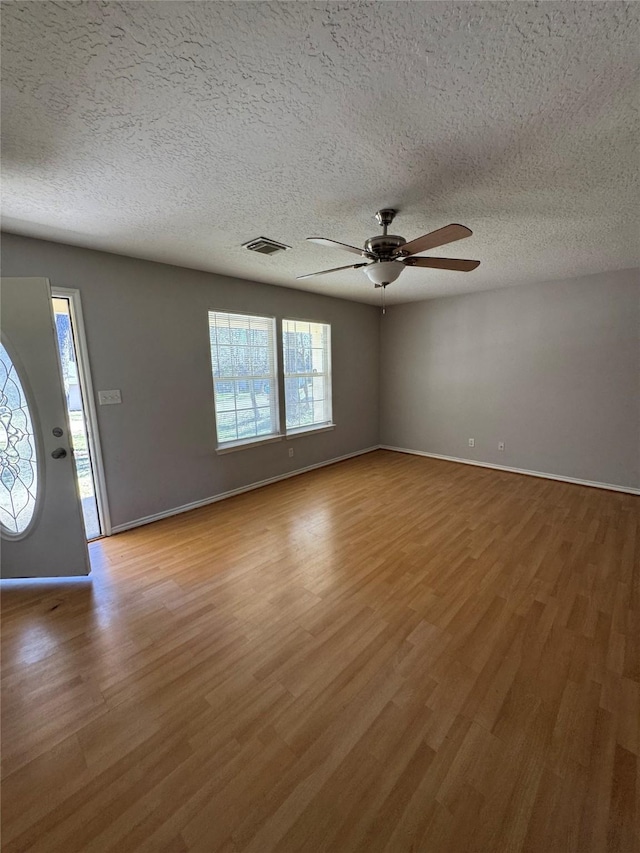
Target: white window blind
245	387
307	374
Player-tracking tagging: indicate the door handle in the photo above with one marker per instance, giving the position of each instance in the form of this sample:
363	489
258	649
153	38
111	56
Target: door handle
59	453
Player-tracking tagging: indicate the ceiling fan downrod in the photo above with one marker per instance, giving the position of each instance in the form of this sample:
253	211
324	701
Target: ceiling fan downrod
385	217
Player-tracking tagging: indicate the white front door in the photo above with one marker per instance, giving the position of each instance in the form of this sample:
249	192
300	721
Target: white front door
40	513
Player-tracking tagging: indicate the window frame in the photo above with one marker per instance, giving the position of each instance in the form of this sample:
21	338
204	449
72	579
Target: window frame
274	379
316	426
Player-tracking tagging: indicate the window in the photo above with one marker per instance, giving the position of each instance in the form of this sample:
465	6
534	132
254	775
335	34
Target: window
245	387
307	374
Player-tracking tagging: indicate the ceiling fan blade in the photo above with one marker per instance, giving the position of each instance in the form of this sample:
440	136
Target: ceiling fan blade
448	234
335	269
456	264
323	241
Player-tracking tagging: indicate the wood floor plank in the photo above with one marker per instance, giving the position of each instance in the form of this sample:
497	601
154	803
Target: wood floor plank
390	654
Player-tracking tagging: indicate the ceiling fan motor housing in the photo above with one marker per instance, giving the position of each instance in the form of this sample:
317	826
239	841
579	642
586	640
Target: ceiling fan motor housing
384	246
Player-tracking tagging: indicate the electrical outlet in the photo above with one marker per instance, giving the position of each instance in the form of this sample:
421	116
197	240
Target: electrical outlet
109	398
472	442
501	445
290	452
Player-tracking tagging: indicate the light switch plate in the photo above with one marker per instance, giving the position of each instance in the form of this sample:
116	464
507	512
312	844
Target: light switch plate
109	398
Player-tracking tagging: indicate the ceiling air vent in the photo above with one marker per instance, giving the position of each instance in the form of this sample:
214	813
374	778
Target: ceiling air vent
265	246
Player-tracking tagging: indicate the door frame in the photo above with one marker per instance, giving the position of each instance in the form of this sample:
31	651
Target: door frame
88	401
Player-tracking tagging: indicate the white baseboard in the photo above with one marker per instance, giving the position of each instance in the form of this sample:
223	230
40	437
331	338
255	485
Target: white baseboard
148	519
545	476
138	522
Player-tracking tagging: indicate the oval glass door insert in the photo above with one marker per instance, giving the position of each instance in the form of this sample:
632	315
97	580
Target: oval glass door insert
18	459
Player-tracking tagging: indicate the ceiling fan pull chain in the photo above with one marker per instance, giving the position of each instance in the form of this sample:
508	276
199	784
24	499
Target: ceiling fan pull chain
384	306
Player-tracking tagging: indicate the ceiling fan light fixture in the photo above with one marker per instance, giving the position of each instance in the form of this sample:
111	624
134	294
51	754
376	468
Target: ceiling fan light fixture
383	272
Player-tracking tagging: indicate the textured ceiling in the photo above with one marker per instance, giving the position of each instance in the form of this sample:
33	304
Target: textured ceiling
177	131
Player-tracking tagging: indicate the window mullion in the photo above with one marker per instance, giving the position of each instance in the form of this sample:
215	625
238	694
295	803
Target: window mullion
279	354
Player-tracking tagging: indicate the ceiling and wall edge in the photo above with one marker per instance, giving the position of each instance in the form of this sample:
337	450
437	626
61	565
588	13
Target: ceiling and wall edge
197	269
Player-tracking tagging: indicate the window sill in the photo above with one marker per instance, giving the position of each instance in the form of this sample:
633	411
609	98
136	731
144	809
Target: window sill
250	442
294	433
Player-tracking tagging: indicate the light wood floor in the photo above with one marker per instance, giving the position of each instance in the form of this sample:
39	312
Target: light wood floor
393	653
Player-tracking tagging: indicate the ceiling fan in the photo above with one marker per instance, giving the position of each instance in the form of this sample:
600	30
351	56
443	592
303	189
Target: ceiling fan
387	255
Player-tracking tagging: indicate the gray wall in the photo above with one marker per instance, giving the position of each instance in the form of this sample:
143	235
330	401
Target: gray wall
552	369
147	331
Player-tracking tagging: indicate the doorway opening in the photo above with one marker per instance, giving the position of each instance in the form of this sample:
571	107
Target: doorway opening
80	411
